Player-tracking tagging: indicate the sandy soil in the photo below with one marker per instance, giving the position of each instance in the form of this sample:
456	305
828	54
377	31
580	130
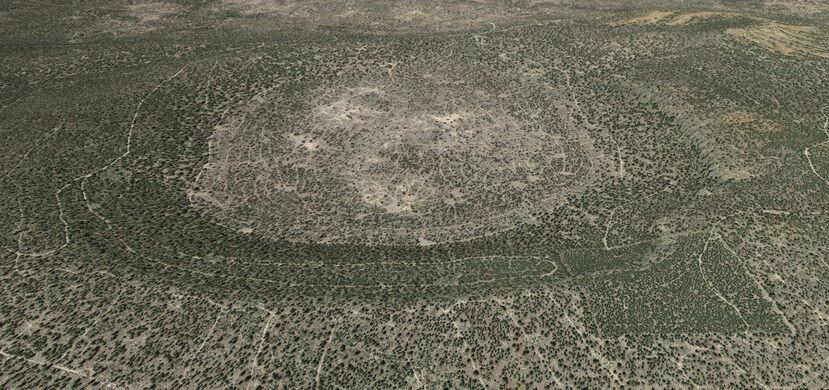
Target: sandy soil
691	16
785	39
652	17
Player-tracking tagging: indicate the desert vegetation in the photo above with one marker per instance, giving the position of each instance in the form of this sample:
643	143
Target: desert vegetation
258	194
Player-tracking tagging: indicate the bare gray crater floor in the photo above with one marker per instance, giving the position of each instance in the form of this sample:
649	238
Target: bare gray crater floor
398	157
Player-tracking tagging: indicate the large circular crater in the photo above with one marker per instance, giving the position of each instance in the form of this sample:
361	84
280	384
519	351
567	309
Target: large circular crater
418	159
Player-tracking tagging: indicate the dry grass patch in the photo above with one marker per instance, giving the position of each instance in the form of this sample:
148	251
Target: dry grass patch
785	39
691	16
652	17
745	119
151	12
268	7
672	19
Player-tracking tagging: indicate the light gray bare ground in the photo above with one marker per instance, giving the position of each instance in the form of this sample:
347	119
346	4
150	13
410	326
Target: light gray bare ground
397	158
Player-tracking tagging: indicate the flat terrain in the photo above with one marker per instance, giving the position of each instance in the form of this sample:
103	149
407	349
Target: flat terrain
364	194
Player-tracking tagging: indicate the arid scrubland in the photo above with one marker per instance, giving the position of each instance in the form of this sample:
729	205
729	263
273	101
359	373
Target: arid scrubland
366	194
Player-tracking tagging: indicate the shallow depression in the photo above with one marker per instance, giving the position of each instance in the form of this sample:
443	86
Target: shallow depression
371	164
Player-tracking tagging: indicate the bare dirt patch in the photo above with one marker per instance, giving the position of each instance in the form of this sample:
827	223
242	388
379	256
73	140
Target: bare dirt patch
739	117
652	17
131	20
301	9
785	39
672	19
372	162
150	12
751	121
691	16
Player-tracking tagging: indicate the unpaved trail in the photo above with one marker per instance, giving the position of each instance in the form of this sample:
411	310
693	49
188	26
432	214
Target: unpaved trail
320	363
808	154
82	178
711	285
